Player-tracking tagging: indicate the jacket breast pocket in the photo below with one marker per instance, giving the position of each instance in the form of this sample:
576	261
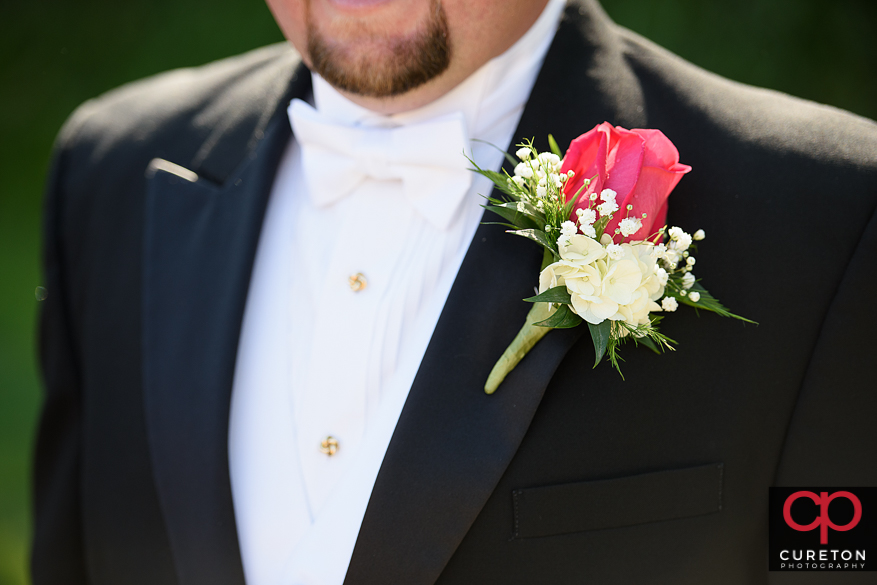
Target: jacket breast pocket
613	503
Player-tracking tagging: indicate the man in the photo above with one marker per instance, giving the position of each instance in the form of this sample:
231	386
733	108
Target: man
181	438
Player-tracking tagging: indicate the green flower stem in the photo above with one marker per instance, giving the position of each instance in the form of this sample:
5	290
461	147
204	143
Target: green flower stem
524	341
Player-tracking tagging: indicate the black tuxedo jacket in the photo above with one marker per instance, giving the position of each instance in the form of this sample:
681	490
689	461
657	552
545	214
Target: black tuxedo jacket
568	474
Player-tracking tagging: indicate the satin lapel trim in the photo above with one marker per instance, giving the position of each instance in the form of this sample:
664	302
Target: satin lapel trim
452	442
199	250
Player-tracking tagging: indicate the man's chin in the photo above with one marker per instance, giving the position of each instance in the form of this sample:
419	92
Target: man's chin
382	65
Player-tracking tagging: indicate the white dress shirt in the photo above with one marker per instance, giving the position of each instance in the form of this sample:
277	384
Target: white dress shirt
317	358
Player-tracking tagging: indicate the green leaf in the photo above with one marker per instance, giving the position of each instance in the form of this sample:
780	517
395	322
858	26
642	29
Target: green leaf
554	148
558	294
648	343
562	318
523	208
600	225
537	236
600	336
707	302
519	219
512	160
500	180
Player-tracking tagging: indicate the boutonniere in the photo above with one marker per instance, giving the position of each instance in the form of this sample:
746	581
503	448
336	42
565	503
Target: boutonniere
609	260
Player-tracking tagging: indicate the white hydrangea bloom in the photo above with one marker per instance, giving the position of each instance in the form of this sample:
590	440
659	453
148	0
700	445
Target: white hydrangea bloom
581	250
694	296
698	236
524	170
629	226
669	304
688	280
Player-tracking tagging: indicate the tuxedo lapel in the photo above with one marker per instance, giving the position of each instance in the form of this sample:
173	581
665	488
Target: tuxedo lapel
199	247
453	442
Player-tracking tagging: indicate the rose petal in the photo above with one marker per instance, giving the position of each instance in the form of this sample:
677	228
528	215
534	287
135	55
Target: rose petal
660	152
624	160
649	197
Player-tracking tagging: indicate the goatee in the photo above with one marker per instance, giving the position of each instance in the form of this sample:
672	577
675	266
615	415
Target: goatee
412	61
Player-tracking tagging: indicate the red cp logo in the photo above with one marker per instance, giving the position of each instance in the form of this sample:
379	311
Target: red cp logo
822	521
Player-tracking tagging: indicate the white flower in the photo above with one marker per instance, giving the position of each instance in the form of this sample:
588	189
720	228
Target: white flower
608	195
588	230
541	191
690	260
675	232
524	153
593	196
683	242
680	239
688	280
568	228
602	287
622	279
549	160
629	226
615	251
524	170
669	304
571	173
519	181
581	250
607	208
671	257
658	251
699	235
555	275
587	216
558	180
694	296
662	276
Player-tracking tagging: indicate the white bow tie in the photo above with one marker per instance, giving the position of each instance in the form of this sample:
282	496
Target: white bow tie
427	158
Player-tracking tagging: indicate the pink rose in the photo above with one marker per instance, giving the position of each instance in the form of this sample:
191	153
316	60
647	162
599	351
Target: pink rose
641	166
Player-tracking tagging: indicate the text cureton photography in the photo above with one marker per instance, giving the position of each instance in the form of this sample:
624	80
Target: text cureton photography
821	529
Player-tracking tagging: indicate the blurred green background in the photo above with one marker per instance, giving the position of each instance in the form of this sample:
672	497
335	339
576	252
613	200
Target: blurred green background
56	54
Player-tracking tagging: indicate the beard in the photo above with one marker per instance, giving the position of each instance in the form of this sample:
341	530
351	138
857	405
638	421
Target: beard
411	61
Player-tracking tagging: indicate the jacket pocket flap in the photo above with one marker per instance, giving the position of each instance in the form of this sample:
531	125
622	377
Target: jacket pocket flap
612	503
